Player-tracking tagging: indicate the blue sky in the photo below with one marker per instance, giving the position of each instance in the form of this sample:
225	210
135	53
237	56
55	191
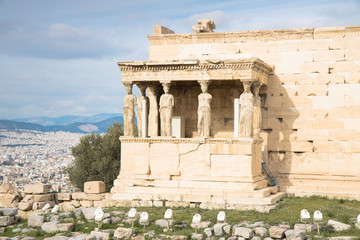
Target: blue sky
59	57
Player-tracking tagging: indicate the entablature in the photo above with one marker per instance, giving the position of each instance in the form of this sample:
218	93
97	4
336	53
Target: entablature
251	69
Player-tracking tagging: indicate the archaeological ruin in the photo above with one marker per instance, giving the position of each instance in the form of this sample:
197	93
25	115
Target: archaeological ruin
219	111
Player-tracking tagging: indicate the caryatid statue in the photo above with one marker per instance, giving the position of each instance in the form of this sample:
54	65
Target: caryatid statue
166	110
257	110
128	111
142	89
204	110
246	111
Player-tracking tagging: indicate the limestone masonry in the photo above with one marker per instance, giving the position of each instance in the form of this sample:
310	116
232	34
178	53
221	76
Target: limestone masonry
220	103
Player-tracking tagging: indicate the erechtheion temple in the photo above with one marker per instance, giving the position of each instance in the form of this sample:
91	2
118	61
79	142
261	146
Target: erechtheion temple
215	105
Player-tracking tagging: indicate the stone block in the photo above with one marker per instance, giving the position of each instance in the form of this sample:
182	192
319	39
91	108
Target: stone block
352	123
352	101
7	199
283	46
253	47
25	206
354	77
8	211
352	54
310	134
63	196
35	221
65	227
328	102
327	78
66	207
350	133
277	232
329	56
344	112
345	43
39	198
338	226
327	124
6	220
7	188
86	203
312	90
37	188
314	44
328	146
295	234
314	67
123	233
346	66
243	232
50	227
329	32
94	187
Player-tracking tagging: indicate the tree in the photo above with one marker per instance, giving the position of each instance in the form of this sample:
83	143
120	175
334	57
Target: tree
97	158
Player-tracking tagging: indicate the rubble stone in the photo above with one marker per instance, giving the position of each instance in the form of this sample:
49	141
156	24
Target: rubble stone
123	233
35	221
37	188
295	234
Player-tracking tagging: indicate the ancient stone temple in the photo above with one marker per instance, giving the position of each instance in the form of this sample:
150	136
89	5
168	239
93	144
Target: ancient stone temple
215	105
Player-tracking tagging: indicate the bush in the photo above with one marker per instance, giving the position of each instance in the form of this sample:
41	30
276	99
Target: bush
97	158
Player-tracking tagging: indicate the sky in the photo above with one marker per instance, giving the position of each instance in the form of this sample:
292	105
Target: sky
60	57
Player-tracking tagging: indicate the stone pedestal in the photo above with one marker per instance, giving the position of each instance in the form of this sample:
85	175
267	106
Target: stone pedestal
204	170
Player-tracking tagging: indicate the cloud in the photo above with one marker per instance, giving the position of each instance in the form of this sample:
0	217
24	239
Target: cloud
59	41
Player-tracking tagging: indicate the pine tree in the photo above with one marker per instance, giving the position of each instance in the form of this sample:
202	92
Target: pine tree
97	158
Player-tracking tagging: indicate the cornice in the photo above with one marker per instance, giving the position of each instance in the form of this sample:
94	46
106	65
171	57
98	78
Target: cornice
188	140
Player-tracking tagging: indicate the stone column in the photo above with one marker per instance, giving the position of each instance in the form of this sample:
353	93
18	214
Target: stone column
236	117
246	111
204	110
166	111
128	111
141	120
257	110
153	120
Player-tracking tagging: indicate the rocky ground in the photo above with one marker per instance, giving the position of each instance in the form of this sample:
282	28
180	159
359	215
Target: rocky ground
98	223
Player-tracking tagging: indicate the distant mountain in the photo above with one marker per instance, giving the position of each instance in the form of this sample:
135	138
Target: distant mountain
68	119
76	127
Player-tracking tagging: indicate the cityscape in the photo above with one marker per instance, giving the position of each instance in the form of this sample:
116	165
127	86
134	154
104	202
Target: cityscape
33	157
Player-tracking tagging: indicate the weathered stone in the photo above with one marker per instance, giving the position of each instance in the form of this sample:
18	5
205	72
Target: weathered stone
78	213
104	235
25	206
66	207
15	230
50	227
39	198
38	205
295	234
203	224
197	236
28	230
208	232
256	238
8	188
243	232
123	233
218	229
66	214
63	196
260	231
7	199
179	237
164	223
35	221
37	188
57	238
9	211
94	187
227	229
2	229
89	213
6	221
277	232
64	227
338	226
305	227
28	238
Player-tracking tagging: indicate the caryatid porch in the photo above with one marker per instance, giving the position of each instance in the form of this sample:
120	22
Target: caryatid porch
216	156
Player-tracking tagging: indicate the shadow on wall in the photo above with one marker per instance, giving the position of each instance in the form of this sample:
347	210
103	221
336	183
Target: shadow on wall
279	115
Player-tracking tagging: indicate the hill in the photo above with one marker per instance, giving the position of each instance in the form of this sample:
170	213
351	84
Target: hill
75	127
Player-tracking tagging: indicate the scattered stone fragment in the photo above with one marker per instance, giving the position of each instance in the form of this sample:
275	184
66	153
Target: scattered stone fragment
78	213
66	215
123	233
15	230
25	206
295	234
243	232
50	227
180	237
277	232
2	229
256	224
35	221
57	238
64	227
256	238
338	226
343	238
89	213
197	236
203	224
227	229
138	238
28	230
260	231
9	211
150	234
102	235
305	227
6	220
55	218
286	226
218	229
28	238
164	223
208	232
